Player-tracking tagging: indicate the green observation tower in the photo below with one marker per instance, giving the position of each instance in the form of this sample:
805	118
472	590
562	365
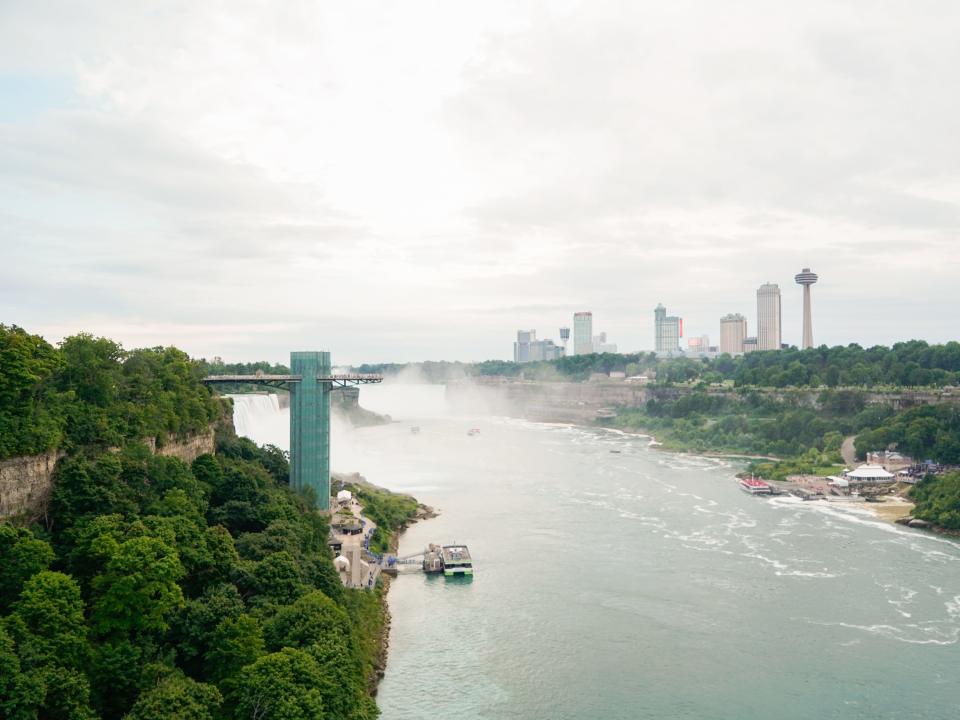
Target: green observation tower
309	382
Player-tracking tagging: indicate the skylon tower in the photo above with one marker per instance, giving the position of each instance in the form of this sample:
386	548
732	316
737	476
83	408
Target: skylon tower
806	278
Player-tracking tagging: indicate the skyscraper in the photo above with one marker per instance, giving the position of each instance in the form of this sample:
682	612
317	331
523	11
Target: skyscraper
668	330
521	348
768	317
806	278
733	331
582	333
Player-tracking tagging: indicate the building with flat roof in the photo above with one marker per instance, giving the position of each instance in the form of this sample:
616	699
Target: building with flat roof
699	344
582	333
600	344
668	329
768	317
749	344
528	349
733	332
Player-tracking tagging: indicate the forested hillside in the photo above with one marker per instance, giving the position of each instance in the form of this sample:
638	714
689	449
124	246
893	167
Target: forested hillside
89	392
164	590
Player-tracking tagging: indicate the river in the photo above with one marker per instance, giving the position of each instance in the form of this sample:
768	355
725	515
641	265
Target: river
614	580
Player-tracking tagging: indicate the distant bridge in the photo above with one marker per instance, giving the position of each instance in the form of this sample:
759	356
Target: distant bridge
309	384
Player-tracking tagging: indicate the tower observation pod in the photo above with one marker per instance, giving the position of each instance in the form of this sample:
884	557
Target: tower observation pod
806	278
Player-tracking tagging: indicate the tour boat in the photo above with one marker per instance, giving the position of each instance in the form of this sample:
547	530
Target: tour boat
456	560
473	431
755	487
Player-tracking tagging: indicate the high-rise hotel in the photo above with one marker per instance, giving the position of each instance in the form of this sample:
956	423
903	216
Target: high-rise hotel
668	330
768	317
582	333
733	331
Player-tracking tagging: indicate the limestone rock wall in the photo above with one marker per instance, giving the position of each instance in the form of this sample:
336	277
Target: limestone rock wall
187	450
26	483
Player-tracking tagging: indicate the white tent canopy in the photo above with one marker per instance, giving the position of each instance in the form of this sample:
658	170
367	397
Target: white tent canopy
870	473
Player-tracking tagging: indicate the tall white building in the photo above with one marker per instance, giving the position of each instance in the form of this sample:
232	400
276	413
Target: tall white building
768	317
668	329
582	333
733	331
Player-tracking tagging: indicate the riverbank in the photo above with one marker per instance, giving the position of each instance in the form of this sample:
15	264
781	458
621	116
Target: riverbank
383	504
892	509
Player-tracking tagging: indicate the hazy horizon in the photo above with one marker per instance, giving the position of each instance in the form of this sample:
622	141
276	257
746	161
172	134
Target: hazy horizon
419	181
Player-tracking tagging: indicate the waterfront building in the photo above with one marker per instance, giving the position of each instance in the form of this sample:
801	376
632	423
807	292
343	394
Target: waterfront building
564	338
528	349
768	317
733	333
749	344
806	278
668	330
582	333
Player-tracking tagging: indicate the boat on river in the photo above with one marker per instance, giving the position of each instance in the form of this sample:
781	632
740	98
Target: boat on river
456	561
755	487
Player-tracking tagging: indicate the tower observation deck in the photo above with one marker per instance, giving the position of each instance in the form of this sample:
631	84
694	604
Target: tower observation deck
309	382
806	278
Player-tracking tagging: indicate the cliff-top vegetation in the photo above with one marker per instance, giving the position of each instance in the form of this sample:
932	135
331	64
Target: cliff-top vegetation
158	589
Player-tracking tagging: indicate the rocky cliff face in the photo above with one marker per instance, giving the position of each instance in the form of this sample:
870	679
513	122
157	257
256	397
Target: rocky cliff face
187	450
26	483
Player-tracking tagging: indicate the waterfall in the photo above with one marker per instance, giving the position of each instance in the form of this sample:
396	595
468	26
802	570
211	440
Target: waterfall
259	417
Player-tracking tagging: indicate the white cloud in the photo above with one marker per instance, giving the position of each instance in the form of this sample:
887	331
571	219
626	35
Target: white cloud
404	181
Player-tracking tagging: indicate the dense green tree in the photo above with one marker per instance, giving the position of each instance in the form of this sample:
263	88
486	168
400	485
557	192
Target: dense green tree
20	693
31	409
48	621
235	643
277	579
139	588
116	673
937	500
21	557
281	686
193	625
177	697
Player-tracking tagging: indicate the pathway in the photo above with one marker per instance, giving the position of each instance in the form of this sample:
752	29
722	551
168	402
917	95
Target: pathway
848	451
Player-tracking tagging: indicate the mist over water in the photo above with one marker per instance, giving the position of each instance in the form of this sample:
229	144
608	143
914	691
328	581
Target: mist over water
618	581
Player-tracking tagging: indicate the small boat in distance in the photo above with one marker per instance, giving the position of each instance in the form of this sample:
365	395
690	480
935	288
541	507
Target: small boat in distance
755	487
473	431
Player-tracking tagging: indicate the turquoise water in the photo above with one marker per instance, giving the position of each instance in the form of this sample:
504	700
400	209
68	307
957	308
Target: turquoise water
643	584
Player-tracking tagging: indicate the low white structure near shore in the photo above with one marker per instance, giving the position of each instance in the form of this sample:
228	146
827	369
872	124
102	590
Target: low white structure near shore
869	473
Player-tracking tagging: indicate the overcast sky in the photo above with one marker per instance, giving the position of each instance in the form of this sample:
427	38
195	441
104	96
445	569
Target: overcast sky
418	180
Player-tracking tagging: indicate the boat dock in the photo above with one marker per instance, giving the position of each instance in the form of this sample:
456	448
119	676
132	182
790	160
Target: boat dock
449	560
